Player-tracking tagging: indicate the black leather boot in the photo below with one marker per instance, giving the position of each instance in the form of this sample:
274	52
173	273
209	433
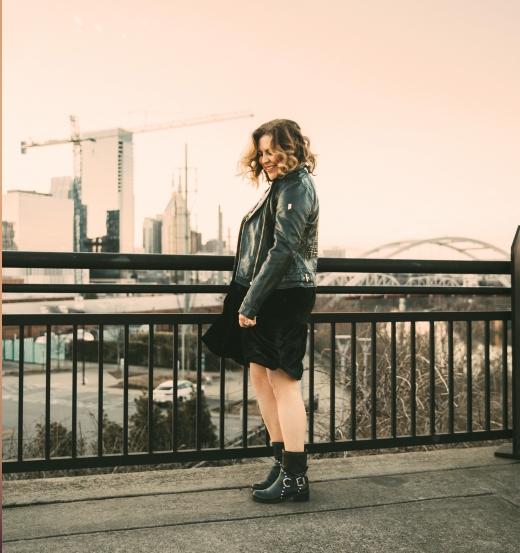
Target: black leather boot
292	481
275	469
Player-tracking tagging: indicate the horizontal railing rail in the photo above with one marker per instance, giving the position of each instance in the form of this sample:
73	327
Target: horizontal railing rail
220	289
70	260
358	382
38	319
49	260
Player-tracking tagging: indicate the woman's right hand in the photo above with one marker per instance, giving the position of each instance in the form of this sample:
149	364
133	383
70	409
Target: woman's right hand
244	322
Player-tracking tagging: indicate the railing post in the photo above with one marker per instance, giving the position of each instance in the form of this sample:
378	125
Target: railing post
512	451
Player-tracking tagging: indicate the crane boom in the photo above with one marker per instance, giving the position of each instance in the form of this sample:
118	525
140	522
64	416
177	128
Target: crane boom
194	121
147	128
26	145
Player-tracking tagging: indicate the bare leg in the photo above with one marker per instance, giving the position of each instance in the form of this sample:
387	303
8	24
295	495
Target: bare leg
266	401
291	409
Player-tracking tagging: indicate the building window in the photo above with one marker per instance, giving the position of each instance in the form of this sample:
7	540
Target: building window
120	166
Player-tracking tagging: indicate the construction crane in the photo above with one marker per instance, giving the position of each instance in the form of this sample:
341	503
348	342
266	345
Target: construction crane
79	220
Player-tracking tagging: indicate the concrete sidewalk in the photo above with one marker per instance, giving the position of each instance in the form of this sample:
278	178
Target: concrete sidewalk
449	501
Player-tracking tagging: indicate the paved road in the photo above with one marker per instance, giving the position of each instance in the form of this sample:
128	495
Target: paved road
61	401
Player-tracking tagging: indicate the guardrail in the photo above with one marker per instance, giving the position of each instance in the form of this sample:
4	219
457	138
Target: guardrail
402	383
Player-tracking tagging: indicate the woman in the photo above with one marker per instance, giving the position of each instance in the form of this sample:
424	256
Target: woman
272	294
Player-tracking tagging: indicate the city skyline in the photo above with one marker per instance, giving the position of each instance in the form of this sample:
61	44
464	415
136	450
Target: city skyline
412	108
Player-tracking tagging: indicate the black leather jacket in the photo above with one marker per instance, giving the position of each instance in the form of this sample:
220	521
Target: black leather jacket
278	241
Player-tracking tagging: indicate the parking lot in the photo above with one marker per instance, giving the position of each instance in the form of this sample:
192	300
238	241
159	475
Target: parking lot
61	398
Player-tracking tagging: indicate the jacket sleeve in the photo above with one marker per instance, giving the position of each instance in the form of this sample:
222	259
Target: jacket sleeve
293	208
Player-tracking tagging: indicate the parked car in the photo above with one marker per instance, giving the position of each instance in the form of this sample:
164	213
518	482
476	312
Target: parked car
163	394
87	336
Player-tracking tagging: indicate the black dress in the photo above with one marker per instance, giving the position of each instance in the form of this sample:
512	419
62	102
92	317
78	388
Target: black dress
279	338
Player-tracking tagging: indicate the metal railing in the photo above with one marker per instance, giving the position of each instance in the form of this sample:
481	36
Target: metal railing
393	356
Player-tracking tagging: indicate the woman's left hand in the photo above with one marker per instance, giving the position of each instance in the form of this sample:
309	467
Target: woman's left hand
244	322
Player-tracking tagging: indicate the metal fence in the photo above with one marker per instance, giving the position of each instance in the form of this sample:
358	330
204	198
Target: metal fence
396	379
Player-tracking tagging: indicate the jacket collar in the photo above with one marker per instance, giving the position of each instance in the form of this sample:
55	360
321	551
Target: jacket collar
261	202
268	191
295	170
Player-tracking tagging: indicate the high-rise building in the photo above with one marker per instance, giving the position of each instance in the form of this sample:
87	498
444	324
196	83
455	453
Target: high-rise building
108	186
8	242
212	246
152	230
41	222
196	241
61	187
334	252
176	235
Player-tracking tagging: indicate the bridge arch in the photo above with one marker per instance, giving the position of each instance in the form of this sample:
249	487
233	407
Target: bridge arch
464	248
452	247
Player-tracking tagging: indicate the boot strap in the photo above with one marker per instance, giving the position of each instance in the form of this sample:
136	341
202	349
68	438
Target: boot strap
297	480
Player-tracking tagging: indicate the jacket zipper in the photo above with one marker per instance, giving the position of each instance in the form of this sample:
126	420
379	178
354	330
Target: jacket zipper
259	249
235	269
260	244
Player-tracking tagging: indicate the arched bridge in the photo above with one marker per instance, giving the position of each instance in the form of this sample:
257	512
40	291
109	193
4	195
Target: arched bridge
447	247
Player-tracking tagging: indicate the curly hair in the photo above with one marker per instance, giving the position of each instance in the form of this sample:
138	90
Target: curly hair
287	142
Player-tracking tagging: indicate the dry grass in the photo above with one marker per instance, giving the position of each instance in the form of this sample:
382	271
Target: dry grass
404	380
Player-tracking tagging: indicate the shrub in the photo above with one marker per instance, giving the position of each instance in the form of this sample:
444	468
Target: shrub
112	438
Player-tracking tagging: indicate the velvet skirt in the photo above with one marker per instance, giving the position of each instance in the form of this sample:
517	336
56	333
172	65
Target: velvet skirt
279	338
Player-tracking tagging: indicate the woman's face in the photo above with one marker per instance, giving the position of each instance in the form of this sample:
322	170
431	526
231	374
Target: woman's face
268	160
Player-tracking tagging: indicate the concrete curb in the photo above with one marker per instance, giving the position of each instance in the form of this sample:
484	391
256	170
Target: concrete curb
85	488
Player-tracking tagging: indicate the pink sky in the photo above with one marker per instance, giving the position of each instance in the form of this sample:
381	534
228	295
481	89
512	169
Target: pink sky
412	105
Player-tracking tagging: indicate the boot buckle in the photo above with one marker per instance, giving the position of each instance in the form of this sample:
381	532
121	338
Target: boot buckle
302	478
286	485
